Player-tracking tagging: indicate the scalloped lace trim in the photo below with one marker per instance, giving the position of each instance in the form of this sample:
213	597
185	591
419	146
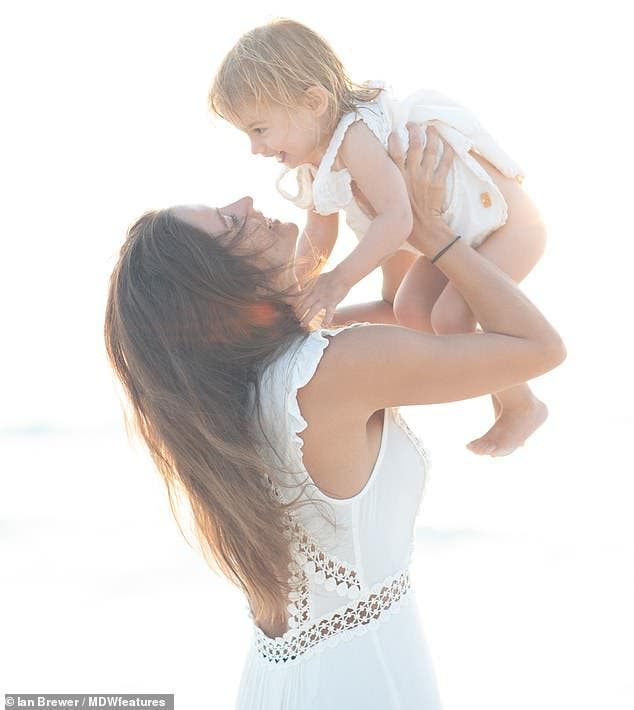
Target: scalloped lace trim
414	438
348	621
320	568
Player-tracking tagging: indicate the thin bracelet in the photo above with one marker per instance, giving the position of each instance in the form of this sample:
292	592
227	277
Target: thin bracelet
442	251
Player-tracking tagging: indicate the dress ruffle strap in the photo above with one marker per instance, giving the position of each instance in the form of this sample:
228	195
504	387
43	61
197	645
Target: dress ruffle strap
301	371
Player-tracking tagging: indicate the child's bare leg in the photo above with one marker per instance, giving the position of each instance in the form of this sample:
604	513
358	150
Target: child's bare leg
518	413
382	311
417	295
371	312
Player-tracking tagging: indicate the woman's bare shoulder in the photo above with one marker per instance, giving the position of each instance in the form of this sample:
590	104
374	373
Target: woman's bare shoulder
371	367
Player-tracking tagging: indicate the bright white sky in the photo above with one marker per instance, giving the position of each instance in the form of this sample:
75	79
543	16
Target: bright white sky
105	116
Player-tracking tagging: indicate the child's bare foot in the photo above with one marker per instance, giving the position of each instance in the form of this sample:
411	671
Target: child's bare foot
511	429
497	406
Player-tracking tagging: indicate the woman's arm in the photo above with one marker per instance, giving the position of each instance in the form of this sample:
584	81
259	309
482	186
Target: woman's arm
383	186
372	367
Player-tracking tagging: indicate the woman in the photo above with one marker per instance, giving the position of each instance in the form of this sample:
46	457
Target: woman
303	480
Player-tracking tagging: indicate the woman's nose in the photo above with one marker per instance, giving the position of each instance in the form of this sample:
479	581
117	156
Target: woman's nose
241	207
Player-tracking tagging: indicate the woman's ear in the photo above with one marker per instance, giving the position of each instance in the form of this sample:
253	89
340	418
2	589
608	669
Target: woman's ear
316	100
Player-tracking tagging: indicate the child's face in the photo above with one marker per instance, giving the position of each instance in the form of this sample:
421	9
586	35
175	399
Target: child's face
292	136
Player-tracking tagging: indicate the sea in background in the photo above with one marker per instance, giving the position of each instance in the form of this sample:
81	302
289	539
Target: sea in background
524	566
524	571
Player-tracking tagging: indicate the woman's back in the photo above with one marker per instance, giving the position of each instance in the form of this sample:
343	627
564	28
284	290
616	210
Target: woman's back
184	336
344	642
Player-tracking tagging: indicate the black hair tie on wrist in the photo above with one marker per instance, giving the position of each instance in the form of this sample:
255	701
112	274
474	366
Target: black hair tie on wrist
442	251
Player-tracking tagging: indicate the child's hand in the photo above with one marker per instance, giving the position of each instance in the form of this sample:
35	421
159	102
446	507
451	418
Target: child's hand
325	294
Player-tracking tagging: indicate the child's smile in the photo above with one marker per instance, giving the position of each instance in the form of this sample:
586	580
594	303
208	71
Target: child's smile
293	137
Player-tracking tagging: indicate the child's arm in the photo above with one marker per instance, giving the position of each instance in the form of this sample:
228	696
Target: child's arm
315	244
383	186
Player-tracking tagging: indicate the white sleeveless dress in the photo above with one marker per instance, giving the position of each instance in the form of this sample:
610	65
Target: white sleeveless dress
474	206
355	639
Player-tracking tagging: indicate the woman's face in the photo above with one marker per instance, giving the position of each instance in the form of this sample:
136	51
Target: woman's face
273	241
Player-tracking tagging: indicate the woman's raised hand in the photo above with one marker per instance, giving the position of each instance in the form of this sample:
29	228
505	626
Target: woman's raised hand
426	187
425	184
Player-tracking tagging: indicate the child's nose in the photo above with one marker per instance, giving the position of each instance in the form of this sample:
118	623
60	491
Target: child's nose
257	147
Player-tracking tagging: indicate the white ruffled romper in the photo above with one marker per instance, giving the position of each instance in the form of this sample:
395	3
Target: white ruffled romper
354	639
474	207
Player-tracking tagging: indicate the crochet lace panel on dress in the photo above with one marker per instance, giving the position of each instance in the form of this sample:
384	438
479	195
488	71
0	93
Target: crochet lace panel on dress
353	617
311	566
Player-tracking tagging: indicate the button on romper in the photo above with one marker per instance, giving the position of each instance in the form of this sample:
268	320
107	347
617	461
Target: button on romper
474	206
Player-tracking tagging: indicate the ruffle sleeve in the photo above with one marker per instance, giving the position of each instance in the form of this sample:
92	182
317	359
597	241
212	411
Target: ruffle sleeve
332	189
301	371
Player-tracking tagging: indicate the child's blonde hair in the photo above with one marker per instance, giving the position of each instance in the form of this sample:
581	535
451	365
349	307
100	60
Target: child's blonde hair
277	63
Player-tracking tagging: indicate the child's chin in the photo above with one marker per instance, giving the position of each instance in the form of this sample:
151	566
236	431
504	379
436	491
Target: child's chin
289	161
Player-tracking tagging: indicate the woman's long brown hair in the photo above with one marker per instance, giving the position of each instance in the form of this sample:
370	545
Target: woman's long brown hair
190	325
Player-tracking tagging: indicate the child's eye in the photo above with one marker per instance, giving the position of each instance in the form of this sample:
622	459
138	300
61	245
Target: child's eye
259	131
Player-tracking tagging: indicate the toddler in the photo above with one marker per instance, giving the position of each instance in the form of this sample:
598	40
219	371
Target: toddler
286	89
